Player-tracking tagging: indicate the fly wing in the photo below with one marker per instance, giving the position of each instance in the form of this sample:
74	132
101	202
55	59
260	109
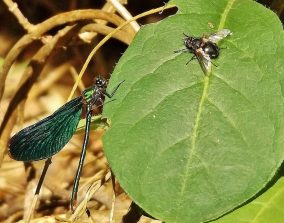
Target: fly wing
204	60
48	136
216	37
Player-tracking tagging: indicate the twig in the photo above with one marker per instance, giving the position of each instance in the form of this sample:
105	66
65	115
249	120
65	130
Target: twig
40	29
13	8
75	16
106	38
29	214
108	7
6	135
74	75
52	77
112	210
125	14
100	178
122	35
30	75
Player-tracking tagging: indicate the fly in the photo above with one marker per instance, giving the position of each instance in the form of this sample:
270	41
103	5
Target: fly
204	48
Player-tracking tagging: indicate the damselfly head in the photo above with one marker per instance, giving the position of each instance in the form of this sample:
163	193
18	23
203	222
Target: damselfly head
101	82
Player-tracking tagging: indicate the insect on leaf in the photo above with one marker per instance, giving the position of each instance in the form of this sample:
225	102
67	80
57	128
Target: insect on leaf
189	147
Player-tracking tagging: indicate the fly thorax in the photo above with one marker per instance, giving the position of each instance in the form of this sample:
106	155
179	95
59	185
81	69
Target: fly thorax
188	43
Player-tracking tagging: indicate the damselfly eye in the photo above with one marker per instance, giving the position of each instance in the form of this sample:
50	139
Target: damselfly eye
99	82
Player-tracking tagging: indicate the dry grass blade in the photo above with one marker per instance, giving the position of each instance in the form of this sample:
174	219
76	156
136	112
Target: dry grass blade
125	14
31	73
98	180
42	28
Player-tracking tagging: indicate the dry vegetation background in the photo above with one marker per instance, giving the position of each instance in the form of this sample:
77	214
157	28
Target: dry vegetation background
47	50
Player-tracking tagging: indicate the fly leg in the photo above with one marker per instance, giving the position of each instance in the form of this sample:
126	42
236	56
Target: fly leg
185	50
187	36
192	58
214	64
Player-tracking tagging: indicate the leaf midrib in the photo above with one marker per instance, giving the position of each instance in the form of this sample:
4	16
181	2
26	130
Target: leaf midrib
194	132
192	151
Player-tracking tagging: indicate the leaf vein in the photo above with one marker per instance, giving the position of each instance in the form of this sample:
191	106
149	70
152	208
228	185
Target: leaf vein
225	14
230	121
194	135
262	209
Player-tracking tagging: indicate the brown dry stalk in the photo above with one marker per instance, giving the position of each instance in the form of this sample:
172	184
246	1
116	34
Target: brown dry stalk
75	16
74	75
40	29
13	8
52	77
122	35
124	13
98	180
106	38
31	73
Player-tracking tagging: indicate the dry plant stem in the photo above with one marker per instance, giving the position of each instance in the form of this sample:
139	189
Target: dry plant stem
75	16
108	7
112	210
98	180
6	135
122	36
45	219
14	217
10	59
74	75
52	77
30	75
104	40
29	213
111	219
101	178
40	29
85	182
125	14
20	114
13	8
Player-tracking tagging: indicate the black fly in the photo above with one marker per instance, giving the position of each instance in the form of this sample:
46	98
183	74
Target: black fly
204	48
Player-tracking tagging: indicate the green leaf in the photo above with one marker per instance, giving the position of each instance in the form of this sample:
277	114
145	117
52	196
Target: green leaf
189	147
266	208
97	122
